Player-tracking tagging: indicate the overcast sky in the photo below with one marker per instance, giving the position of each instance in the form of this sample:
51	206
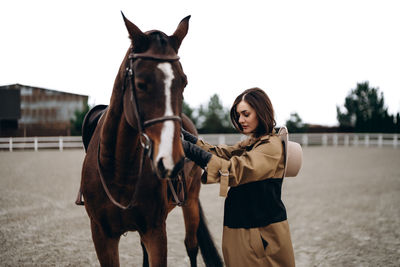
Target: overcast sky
307	55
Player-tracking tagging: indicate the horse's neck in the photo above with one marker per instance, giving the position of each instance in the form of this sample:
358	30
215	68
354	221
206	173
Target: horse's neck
119	141
114	118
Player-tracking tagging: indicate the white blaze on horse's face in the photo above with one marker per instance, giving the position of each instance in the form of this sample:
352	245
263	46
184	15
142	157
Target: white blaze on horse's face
168	128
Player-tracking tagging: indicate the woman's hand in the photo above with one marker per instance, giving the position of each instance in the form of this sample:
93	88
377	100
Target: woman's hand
189	137
196	154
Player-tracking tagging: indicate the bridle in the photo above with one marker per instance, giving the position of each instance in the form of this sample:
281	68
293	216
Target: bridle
144	139
129	71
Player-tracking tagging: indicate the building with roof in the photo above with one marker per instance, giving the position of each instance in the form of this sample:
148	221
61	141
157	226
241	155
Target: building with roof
34	111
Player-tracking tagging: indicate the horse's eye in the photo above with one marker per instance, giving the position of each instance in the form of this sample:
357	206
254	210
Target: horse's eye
141	85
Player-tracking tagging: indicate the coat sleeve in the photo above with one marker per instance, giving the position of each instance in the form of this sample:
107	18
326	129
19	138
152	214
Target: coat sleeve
222	151
262	162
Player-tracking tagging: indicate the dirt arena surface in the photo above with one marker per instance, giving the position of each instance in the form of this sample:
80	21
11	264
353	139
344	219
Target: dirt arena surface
343	210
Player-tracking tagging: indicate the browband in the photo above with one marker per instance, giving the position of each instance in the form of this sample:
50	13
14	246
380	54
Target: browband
151	56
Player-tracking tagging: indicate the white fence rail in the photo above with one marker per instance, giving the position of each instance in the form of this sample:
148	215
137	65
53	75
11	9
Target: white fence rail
320	139
36	143
328	139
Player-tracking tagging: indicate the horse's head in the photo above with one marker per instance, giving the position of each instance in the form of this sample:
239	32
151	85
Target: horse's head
154	93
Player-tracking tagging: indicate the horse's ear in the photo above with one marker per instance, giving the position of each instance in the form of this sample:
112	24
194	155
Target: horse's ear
180	33
139	39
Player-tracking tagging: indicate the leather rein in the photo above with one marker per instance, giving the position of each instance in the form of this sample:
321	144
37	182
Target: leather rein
144	139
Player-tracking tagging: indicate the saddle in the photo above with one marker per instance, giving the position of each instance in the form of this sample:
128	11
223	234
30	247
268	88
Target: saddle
90	122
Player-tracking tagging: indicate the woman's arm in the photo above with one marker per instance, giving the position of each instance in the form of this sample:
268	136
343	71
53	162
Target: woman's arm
263	161
222	151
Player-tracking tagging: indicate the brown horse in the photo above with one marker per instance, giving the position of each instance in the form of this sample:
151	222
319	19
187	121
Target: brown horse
135	151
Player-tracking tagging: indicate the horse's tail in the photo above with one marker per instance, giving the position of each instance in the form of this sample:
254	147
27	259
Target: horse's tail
208	250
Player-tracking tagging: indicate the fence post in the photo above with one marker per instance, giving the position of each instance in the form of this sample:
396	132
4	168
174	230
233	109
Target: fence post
355	140
10	141
366	140
335	140
60	143
346	140
380	141
35	140
324	140
304	140
395	140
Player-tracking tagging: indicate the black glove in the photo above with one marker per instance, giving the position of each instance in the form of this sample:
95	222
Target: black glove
188	136
196	154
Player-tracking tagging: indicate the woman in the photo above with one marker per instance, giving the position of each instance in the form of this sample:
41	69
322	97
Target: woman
256	231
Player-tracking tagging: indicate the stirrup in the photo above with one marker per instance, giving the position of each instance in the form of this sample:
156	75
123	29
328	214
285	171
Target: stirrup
79	199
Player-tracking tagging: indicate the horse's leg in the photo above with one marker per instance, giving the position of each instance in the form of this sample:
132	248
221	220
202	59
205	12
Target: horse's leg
106	247
145	256
191	216
195	222
155	242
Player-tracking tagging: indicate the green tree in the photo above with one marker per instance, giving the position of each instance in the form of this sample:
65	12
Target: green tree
214	118
397	123
77	121
188	111
365	111
295	124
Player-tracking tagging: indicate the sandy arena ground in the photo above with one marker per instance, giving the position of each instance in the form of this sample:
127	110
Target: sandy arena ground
343	210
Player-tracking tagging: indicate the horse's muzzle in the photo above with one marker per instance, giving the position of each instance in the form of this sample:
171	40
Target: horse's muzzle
171	174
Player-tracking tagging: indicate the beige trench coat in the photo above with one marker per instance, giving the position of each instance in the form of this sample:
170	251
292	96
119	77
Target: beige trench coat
249	161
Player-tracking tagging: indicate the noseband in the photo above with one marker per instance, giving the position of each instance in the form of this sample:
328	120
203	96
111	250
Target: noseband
144	139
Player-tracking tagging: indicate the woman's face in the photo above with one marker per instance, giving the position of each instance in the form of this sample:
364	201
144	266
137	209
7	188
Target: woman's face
247	117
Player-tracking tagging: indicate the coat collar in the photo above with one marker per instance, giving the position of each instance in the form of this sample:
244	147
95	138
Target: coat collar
252	141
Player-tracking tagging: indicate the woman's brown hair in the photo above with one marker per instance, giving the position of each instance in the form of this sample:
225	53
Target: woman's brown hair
261	103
